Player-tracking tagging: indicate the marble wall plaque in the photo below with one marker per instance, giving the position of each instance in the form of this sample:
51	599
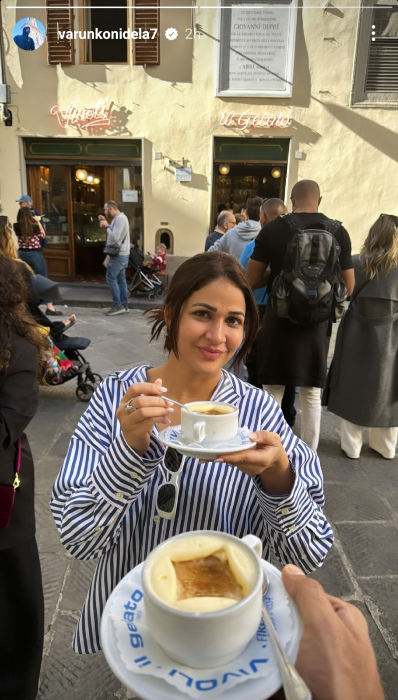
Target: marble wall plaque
257	49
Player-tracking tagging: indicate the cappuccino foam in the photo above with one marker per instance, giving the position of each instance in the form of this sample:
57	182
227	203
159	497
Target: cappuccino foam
210	409
202	574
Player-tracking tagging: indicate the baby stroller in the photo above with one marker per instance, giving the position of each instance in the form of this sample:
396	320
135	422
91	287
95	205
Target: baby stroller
143	281
87	381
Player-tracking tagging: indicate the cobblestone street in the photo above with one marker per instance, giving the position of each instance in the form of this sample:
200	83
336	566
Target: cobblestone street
361	503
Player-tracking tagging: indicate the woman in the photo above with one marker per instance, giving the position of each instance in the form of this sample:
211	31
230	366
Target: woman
29	231
21	595
104	498
363	381
8	248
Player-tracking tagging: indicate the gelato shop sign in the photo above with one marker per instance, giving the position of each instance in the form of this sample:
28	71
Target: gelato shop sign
248	120
77	114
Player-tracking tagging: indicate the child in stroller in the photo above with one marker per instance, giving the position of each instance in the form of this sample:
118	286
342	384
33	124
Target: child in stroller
158	262
41	287
144	280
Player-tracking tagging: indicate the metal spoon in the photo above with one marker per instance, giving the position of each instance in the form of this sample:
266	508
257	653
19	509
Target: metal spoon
293	685
177	402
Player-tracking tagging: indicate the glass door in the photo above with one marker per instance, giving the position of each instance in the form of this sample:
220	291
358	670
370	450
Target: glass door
88	198
129	199
49	187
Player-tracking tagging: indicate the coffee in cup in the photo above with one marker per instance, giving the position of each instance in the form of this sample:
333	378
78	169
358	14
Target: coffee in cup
205	422
203	596
202	574
217	410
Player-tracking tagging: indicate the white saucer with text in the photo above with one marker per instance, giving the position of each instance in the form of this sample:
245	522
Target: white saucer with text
142	675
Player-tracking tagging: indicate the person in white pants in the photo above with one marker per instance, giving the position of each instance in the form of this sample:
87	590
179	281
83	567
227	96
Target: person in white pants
310	399
362	386
382	440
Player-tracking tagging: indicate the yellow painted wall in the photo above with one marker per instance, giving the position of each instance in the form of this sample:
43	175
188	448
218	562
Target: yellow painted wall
352	153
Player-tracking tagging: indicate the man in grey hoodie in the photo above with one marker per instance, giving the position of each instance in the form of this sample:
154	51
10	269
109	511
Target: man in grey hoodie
235	240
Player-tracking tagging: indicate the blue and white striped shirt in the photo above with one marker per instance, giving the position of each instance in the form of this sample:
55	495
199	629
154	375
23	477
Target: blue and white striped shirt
103	500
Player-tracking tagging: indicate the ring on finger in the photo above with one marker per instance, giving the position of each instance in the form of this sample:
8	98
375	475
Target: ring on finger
128	408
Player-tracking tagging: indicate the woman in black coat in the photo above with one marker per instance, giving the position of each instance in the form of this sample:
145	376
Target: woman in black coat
22	350
363	380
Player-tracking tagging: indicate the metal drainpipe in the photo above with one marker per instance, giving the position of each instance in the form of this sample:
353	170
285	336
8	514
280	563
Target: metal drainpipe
5	90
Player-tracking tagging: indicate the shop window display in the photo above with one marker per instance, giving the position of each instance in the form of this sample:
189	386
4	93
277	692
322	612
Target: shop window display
244	181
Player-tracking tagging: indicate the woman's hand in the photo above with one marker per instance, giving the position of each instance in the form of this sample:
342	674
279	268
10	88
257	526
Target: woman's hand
150	408
268	460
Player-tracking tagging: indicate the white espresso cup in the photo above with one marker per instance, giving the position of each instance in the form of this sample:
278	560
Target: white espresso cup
203	639
199	426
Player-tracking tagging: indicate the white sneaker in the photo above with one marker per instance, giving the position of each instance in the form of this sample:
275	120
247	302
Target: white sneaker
126	309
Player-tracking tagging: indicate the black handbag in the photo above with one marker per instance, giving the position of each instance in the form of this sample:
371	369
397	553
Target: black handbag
7	493
113	250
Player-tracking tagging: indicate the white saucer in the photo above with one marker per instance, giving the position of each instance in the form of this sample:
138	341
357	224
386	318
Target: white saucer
173	437
150	687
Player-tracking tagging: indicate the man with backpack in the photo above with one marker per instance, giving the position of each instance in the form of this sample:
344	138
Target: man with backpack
311	274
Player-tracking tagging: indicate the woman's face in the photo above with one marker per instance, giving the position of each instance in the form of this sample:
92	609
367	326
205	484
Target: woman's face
211	326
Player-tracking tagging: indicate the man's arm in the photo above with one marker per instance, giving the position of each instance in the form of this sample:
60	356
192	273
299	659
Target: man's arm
347	268
255	272
349	280
115	234
219	245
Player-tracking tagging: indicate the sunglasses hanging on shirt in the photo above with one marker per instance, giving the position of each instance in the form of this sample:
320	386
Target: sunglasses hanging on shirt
167	494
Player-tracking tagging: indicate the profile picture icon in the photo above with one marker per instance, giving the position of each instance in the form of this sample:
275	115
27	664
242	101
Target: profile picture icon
29	34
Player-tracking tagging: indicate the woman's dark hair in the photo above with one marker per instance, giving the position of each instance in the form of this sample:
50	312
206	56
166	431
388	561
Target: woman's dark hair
192	275
14	317
26	222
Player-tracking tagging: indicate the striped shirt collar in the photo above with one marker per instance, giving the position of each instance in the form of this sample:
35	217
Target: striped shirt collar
229	388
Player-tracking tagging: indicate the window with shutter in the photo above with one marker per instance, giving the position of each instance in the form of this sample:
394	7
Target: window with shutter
376	71
382	69
60	20
146	18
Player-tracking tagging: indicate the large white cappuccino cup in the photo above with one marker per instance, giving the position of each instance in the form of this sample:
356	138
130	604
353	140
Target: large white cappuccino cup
203	639
205	428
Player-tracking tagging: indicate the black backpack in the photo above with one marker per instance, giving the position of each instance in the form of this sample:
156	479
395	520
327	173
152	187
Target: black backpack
309	288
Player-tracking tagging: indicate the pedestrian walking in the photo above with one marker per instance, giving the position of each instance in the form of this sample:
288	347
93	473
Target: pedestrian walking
270	209
225	221
363	380
26	201
106	500
294	354
117	250
235	240
21	595
8	248
30	232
